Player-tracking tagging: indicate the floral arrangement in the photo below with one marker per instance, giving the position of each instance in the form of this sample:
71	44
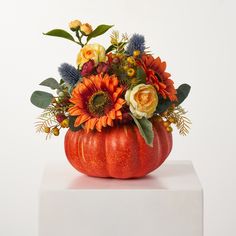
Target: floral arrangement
109	87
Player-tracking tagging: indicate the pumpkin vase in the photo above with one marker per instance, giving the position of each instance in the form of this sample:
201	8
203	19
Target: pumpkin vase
118	152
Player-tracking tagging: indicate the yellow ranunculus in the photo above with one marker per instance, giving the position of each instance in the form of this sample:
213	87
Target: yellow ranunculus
142	100
74	25
94	52
86	28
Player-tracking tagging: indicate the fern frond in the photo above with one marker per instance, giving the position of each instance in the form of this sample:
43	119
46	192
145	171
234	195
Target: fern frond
115	37
119	44
181	121
46	119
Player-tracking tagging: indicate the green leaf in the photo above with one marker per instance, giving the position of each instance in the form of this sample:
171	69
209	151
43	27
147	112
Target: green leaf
110	48
140	74
182	93
163	105
61	81
145	129
41	99
72	124
101	29
60	33
51	83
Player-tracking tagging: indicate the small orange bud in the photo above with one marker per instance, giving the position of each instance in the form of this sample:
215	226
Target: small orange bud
86	28
136	53
169	129
131	60
171	120
55	131
166	123
130	72
47	130
65	123
74	25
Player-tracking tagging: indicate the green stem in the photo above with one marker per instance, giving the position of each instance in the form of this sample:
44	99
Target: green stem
79	38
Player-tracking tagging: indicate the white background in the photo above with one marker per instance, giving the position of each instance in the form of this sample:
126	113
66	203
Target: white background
196	38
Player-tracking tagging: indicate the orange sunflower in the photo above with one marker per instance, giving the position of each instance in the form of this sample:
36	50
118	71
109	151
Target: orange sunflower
156	75
97	102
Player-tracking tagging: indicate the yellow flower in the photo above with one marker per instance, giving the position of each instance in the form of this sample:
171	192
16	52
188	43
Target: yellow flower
131	60
130	72
74	25
142	100
86	28
136	53
94	52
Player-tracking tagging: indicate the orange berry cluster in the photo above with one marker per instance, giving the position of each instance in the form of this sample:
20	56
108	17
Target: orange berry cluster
63	123
167	122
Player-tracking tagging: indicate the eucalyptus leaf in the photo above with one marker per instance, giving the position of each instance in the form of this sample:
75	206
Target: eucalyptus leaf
101	29
51	83
41	99
145	129
60	33
140	74
163	105
72	124
182	93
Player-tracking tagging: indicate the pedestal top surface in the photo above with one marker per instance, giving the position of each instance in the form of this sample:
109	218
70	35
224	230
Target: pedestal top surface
172	175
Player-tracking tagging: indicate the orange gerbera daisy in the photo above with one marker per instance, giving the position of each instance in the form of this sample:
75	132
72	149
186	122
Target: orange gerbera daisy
156	75
97	102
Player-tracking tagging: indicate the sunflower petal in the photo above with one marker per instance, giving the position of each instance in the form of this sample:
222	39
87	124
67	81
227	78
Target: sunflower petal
104	121
109	121
166	75
117	93
93	123
158	61
162	66
118	106
99	125
89	84
96	82
77	101
119	115
75	111
112	114
83	89
81	119
121	101
162	85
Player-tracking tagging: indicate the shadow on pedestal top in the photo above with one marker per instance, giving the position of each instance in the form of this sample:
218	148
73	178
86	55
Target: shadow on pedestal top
172	175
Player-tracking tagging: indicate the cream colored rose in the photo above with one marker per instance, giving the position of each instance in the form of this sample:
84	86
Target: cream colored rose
142	100
86	28
74	25
94	52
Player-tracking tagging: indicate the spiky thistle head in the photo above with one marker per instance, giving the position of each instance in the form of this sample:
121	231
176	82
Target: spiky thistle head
136	43
69	73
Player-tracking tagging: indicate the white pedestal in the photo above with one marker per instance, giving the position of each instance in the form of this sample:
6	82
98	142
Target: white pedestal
168	202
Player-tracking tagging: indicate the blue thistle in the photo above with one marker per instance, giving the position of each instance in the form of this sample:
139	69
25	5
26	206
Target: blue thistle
136	42
69	74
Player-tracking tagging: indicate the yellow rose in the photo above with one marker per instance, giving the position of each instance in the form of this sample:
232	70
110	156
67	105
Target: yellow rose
142	100
94	52
86	28
74	25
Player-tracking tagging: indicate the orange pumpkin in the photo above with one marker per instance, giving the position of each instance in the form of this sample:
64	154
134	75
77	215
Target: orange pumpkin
118	152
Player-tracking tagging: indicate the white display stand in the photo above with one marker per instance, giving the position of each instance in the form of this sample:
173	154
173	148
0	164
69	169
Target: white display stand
167	202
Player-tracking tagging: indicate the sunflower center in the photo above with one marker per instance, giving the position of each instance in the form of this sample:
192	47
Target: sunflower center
98	103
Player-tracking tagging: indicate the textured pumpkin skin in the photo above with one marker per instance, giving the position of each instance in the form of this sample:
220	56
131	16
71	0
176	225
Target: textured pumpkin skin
118	152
